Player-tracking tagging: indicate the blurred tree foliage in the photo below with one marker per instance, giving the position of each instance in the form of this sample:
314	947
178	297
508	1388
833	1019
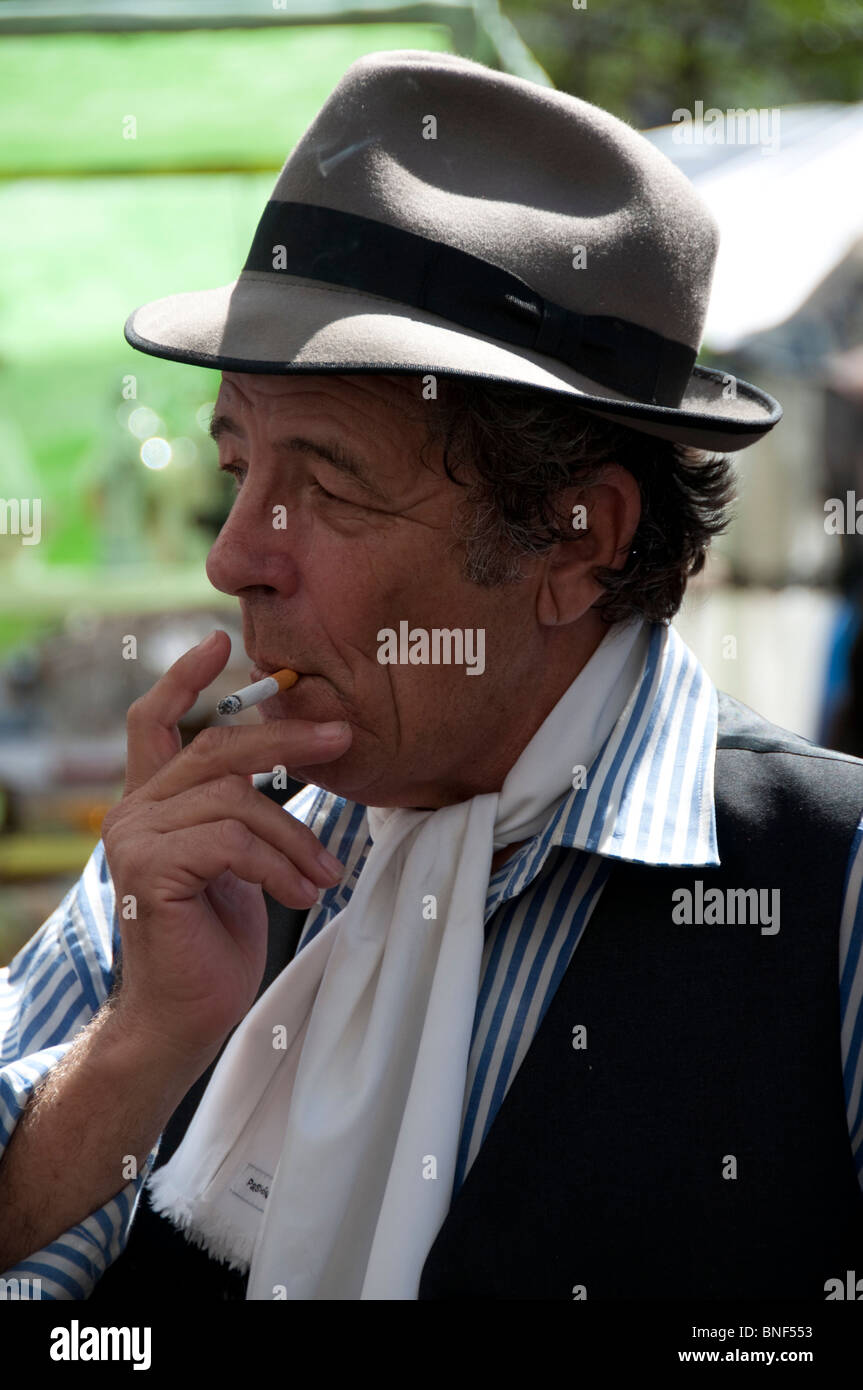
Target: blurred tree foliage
642	59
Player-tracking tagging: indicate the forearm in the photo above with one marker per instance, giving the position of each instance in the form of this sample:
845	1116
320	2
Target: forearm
106	1102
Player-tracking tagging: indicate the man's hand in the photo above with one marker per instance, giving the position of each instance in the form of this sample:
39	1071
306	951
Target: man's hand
191	842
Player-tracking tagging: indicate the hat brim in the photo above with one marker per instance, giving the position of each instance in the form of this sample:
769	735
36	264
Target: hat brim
286	325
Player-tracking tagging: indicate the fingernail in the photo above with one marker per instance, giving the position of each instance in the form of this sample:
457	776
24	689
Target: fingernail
310	889
207	642
333	730
330	864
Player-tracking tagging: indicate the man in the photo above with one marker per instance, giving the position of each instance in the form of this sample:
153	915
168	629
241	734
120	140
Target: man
563	1023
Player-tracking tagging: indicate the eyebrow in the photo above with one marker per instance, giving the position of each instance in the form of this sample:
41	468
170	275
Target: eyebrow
335	454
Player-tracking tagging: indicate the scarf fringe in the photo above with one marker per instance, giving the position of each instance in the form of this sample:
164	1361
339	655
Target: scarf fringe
201	1224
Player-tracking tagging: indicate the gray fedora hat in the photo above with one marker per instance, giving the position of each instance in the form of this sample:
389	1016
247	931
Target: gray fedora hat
440	217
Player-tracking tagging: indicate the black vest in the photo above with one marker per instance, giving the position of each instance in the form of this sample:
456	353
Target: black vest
711	1049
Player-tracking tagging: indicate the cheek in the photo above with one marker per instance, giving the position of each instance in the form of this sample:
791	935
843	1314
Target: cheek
375	576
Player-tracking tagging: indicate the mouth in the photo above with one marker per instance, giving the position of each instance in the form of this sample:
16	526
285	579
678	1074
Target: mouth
311	697
257	673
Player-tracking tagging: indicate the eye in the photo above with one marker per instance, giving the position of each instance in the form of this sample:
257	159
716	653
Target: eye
234	471
322	492
237	474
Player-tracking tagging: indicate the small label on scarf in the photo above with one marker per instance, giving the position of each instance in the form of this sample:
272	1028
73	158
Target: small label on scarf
252	1185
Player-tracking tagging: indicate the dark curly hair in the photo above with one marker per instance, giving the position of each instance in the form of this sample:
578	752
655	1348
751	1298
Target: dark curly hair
523	445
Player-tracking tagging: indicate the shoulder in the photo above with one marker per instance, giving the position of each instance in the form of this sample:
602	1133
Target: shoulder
808	799
740	727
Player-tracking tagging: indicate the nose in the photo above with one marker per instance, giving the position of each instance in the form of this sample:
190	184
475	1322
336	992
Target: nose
250	551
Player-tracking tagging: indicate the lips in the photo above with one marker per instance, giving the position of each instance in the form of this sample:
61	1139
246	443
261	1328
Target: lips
258	672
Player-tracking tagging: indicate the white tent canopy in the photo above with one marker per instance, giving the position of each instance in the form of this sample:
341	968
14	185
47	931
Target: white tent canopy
787	215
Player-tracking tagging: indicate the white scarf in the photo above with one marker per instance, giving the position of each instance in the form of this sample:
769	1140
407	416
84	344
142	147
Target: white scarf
322	1154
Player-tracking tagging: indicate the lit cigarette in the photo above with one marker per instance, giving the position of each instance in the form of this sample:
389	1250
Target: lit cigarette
261	690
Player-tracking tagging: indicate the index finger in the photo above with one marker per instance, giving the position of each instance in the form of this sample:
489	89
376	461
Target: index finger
152	735
216	752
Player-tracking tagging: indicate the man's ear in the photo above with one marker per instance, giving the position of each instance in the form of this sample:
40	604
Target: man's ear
604	517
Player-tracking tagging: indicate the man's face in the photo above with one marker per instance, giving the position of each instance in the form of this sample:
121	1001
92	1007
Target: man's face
321	564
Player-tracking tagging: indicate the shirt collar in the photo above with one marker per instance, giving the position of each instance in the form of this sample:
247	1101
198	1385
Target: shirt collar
648	795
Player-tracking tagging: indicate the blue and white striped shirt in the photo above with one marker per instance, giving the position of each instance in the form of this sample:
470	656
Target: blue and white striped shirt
648	798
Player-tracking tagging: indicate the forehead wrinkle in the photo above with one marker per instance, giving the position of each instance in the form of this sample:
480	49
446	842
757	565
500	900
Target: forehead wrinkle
337	456
335	453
